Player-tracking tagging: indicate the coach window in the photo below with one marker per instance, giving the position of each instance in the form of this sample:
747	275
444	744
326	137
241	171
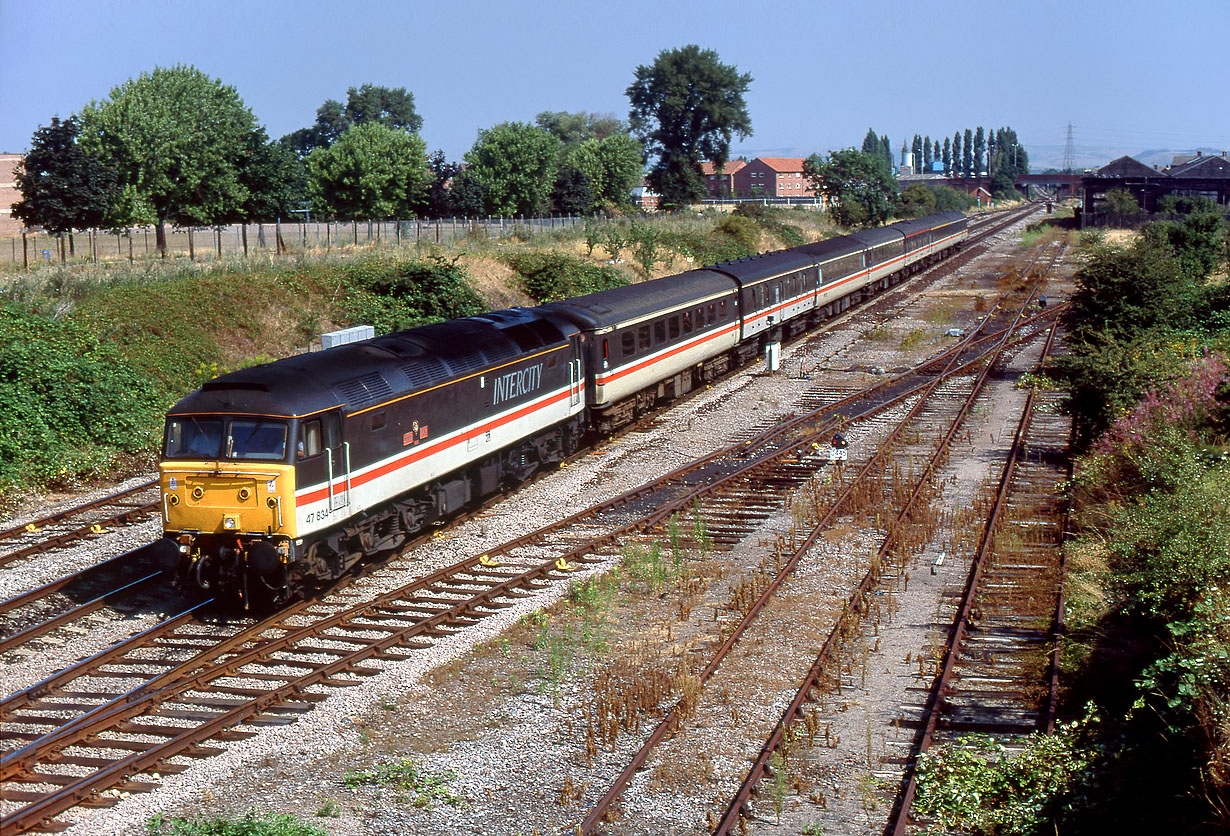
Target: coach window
687	322
629	343
712	313
309	439
673	326
659	332
642	337
722	309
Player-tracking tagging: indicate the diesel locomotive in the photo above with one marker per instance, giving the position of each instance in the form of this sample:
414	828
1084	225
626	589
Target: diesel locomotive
279	478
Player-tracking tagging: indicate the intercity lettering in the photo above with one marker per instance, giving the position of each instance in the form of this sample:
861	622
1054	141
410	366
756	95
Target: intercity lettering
514	384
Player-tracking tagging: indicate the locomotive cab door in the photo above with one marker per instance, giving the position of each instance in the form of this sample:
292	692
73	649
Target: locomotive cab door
337	457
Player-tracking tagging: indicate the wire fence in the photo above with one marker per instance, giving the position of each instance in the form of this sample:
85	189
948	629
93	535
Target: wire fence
201	243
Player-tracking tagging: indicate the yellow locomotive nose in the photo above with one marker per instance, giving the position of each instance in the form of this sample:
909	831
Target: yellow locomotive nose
228	498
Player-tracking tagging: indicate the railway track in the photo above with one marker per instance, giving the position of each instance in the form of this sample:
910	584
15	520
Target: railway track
928	409
79	522
998	672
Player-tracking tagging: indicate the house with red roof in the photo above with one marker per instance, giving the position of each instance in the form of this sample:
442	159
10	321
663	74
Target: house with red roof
772	177
721	184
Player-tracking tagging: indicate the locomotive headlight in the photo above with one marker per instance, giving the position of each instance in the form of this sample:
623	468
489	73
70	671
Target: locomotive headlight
244	493
230	523
198	492
184	548
173	499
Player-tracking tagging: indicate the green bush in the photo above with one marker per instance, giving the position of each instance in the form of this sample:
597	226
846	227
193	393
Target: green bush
550	276
69	405
743	230
393	295
250	825
770	220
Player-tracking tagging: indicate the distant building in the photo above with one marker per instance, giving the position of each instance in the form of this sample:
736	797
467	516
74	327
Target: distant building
645	198
772	177
9	194
1197	176
721	184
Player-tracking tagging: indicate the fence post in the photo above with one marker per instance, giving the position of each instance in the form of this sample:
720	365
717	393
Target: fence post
129	233
25	253
243	234
191	248
218	239
355	225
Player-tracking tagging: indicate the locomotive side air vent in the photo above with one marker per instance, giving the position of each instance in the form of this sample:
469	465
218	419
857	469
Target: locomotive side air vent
426	371
364	390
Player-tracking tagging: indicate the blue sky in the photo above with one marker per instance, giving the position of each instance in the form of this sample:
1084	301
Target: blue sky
1129	76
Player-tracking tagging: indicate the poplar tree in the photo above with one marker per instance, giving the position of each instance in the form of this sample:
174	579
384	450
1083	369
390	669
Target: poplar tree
947	157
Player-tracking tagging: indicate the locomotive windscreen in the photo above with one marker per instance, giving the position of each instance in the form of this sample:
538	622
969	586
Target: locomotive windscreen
197	437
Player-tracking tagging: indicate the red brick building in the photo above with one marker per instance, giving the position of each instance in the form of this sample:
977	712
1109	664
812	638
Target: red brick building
772	177
721	184
9	194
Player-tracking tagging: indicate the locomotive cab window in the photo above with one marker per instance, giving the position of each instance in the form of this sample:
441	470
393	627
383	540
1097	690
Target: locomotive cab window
219	438
256	439
309	439
194	438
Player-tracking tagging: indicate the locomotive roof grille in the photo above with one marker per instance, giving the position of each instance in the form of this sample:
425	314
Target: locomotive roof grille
365	390
425	371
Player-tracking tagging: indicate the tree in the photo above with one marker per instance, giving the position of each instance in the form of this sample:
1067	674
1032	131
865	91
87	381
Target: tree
572	194
686	107
980	150
871	142
391	107
177	140
613	165
516	164
948	199
275	180
860	187
916	152
1120	202
946	157
887	150
574	128
916	201
467	197
437	202
371	171
62	187
928	153
967	154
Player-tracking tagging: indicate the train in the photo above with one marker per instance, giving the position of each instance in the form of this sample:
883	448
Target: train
277	479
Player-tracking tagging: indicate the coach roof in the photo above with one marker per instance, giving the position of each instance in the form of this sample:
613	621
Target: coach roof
633	302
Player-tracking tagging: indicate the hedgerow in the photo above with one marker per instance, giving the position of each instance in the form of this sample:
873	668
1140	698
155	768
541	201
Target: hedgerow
69	405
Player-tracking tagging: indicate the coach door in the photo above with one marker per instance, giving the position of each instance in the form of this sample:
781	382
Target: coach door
337	453
575	379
